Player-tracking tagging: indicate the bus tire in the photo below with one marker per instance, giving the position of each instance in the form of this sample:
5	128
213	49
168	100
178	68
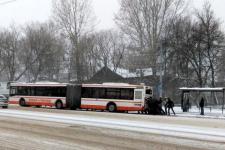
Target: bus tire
111	107
22	102
58	104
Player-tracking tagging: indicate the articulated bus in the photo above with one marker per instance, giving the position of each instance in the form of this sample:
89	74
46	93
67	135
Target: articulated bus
107	96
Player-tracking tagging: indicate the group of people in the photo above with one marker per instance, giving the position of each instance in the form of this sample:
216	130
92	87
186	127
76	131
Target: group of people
154	106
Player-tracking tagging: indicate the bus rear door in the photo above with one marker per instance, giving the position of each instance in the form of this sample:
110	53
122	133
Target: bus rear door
139	96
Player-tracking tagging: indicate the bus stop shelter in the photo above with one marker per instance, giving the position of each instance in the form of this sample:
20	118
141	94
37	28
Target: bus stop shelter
200	90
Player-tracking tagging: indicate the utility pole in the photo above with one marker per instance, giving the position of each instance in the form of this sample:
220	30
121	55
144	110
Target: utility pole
161	69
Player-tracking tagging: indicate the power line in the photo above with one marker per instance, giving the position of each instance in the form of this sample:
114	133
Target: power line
7	2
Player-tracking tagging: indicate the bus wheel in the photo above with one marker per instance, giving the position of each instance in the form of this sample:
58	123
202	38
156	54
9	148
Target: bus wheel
111	107
59	104
22	102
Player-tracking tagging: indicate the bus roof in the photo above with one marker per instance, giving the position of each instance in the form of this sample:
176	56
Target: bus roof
57	84
113	85
51	84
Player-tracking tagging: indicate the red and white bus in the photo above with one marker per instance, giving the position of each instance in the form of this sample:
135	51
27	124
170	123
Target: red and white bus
38	94
107	96
114	96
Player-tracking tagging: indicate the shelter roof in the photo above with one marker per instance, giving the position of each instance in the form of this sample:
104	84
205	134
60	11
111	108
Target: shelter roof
197	89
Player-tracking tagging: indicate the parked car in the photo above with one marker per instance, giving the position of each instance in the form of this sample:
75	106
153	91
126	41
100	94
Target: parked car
3	101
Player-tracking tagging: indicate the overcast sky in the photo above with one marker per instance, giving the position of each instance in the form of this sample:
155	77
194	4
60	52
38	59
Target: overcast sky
25	11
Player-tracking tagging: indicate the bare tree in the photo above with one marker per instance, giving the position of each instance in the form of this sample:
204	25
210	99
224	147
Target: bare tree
119	46
74	17
103	48
212	41
213	38
144	21
42	52
184	55
89	63
10	48
109	49
195	46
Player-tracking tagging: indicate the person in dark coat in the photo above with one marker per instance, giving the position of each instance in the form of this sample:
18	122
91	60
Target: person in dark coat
146	106
152	105
160	110
170	105
201	105
165	105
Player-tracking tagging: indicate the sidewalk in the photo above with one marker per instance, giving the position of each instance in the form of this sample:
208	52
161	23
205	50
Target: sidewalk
214	113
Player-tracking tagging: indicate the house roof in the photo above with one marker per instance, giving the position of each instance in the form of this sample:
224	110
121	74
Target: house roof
106	75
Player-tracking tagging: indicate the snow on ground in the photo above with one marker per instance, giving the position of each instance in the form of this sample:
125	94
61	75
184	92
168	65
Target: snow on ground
210	112
145	126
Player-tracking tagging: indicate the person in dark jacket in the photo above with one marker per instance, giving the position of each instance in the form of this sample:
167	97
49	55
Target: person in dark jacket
165	105
170	105
153	106
146	105
160	110
201	105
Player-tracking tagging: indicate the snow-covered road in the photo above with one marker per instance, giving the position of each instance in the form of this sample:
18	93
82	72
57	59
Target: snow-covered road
145	126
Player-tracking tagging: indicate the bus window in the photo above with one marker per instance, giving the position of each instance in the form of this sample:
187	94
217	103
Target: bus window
32	91
108	93
22	91
127	94
41	91
99	93
54	91
113	93
138	95
149	91
87	92
62	92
